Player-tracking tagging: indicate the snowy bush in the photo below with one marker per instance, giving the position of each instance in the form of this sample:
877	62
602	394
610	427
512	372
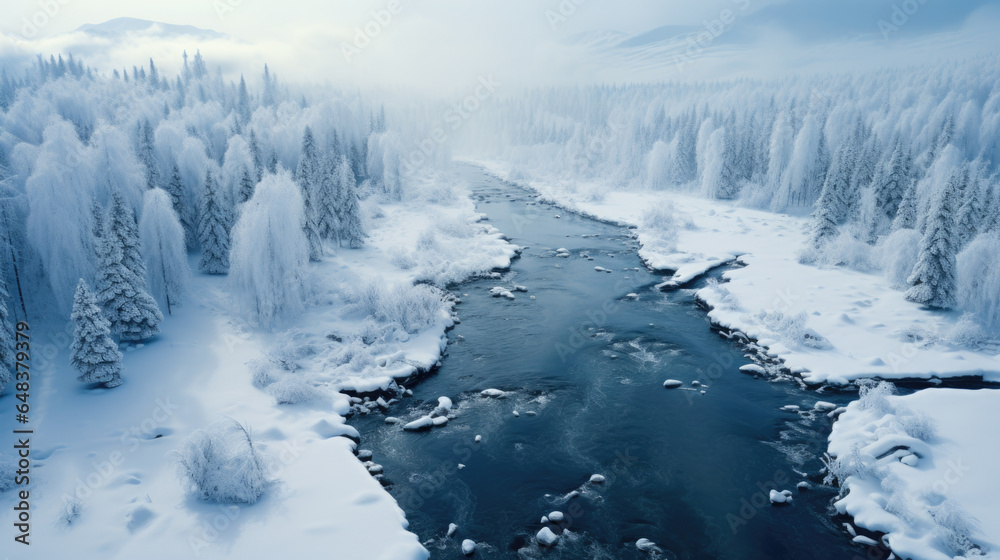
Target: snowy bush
955	527
847	251
72	506
875	396
660	223
223	464
792	329
723	298
968	332
914	424
294	389
979	279
898	256
412	308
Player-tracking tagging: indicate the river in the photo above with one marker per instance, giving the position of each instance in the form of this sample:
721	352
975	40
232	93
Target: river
583	365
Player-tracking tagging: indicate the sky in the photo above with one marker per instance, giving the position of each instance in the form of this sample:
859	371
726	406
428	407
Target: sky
447	44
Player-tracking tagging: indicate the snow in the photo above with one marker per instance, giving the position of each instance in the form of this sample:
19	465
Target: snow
468	547
828	324
493	393
556	517
597	478
198	370
934	495
673	384
546	537
782	497
452	529
646	545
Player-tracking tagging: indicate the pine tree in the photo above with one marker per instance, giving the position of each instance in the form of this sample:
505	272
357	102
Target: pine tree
243	102
308	178
175	190
972	212
272	162
8	345
892	180
147	154
933	281
258	157
906	215
130	309
246	186
351	227
328	200
213	231
94	355
121	224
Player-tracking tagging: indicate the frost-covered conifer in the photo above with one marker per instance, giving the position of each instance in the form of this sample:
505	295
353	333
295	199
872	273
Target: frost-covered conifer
213	230
147	154
94	355
933	281
175	190
130	310
351	227
121	224
308	177
246	186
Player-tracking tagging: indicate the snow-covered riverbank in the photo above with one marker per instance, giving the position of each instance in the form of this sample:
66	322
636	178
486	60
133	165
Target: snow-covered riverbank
111	486
921	469
828	324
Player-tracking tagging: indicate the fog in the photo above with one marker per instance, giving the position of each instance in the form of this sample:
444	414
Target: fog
439	45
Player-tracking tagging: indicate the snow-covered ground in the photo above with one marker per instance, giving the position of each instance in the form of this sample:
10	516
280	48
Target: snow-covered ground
828	324
104	483
922	470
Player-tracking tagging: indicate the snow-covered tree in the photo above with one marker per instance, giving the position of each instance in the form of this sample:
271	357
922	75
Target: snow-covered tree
972	211
270	252
891	182
147	154
122	226
162	236
257	155
7	341
59	194
213	230
94	355
933	281
175	190
130	310
351	230
308	176
328	199
246	186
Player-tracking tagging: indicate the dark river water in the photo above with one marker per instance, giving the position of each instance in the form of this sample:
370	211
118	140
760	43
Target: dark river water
584	366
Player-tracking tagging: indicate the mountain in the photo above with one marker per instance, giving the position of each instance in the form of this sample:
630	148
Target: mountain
125	25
